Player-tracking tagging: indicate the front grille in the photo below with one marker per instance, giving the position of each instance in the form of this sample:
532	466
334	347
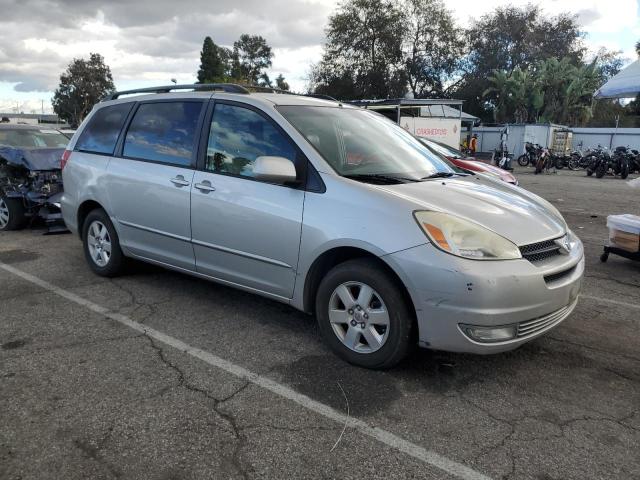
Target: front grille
531	327
536	252
558	275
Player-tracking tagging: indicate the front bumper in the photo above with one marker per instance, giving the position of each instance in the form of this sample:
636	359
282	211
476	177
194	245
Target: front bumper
449	291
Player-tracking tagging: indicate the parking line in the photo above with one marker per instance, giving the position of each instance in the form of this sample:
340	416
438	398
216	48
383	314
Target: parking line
383	436
613	302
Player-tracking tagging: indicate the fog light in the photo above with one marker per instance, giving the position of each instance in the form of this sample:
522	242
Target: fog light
489	334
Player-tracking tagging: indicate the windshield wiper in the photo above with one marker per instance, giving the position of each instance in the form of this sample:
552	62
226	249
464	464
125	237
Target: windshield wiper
444	175
380	177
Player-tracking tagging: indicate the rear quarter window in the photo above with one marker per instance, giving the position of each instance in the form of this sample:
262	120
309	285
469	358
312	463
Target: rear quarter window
101	133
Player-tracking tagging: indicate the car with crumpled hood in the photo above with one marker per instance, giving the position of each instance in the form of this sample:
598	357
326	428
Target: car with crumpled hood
30	175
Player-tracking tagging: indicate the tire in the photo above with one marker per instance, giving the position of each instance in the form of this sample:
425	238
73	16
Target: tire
589	172
523	160
574	163
391	343
600	171
624	169
12	214
539	166
98	226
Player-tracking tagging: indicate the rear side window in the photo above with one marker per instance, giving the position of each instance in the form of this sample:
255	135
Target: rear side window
163	132
101	133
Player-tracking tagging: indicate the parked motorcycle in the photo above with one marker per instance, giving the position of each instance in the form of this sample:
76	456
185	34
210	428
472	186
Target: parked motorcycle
620	161
577	160
598	161
545	161
530	156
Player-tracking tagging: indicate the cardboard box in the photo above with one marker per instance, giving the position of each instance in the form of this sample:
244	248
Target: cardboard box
624	240
624	232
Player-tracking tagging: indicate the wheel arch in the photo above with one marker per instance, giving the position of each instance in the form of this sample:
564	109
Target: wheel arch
337	255
84	209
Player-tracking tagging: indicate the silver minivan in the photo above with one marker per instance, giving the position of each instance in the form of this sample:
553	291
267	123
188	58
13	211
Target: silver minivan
332	209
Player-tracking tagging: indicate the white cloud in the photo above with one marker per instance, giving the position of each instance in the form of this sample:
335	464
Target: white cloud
149	42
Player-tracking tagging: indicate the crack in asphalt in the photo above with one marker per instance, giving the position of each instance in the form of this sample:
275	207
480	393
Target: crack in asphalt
65	346
217	403
612	279
564	425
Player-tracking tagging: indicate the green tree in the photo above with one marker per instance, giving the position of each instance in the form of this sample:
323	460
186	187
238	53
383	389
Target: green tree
82	85
363	54
214	62
433	46
499	91
251	56
281	83
512	37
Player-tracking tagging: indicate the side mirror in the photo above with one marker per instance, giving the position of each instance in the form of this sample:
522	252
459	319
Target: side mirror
274	169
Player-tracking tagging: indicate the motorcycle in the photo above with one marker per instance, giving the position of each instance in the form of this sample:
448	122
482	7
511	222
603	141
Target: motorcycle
634	161
577	160
545	161
620	161
598	161
502	158
530	157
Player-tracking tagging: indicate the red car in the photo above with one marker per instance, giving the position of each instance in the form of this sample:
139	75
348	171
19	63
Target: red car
468	163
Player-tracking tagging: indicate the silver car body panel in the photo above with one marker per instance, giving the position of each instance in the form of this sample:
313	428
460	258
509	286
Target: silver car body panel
265	238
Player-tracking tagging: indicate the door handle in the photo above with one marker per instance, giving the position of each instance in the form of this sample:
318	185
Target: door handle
205	186
179	181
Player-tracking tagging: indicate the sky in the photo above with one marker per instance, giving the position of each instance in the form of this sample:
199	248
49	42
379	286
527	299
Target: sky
149	42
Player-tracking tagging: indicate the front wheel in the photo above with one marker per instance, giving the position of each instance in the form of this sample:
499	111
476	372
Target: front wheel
363	315
624	169
523	160
600	171
12	214
101	245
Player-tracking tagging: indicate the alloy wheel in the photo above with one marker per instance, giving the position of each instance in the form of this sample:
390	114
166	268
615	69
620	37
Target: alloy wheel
4	213
359	317
99	243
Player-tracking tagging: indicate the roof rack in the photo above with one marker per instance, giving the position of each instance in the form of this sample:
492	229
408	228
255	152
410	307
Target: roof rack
198	87
207	87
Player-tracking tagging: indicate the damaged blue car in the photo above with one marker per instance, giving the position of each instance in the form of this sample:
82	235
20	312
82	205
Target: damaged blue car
30	177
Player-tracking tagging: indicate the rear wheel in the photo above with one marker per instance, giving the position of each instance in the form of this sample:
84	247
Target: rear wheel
363	315
600	171
574	162
101	245
12	214
523	160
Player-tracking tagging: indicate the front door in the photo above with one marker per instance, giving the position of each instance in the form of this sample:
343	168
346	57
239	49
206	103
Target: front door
246	231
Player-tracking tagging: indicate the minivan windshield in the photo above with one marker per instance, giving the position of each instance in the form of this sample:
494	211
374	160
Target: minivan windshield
364	145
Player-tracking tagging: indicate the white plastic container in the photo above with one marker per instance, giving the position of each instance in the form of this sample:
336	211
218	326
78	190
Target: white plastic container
624	232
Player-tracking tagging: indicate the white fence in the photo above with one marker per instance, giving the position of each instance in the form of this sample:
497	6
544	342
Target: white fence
583	138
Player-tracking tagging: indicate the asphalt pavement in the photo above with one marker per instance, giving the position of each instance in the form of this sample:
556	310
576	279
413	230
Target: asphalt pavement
160	375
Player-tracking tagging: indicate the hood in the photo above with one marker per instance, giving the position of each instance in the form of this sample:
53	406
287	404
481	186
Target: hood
32	158
512	212
503	174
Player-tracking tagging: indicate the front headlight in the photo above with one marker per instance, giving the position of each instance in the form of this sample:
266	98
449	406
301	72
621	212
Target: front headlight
466	239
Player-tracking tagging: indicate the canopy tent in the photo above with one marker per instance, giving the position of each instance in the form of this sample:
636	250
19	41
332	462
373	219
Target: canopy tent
625	84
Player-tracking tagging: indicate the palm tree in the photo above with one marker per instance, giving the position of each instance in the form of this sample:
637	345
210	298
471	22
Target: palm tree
501	86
